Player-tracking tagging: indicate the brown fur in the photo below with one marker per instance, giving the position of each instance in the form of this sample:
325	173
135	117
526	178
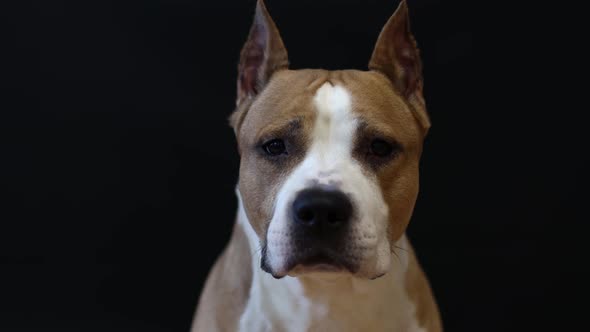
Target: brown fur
419	291
227	288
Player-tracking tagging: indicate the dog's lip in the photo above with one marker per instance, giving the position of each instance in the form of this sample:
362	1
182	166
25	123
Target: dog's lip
321	267
312	260
319	259
318	263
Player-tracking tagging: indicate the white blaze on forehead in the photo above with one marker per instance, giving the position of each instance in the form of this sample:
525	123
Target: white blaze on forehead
329	161
335	124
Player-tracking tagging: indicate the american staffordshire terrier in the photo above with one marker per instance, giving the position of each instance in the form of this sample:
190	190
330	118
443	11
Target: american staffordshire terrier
327	184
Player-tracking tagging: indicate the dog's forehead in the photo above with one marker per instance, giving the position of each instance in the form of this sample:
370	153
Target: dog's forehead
290	93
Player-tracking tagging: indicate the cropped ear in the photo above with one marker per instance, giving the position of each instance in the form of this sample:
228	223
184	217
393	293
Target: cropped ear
396	55
262	55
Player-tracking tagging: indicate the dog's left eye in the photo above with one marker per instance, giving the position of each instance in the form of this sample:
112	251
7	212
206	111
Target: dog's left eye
275	147
381	148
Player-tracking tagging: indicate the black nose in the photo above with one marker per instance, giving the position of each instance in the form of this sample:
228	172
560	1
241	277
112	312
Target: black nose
321	208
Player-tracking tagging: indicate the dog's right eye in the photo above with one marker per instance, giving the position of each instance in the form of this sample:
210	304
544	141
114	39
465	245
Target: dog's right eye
275	147
381	148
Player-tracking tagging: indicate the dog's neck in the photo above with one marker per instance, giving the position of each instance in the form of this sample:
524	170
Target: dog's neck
326	302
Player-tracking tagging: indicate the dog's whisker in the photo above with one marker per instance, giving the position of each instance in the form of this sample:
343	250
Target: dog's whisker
397	247
258	251
396	255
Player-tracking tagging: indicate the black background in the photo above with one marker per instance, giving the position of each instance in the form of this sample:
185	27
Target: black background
118	167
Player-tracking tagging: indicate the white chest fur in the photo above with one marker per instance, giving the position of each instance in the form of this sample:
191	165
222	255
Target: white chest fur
326	302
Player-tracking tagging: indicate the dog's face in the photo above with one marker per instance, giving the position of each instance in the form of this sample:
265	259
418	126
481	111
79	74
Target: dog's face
329	159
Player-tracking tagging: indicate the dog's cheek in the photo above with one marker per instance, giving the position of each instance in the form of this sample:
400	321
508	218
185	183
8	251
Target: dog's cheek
400	192
256	184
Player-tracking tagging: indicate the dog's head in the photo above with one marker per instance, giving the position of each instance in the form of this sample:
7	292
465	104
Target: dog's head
329	159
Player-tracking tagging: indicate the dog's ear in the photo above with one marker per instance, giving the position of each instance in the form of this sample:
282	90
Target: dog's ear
262	55
396	55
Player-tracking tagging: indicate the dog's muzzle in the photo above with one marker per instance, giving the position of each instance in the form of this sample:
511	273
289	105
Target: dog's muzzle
320	222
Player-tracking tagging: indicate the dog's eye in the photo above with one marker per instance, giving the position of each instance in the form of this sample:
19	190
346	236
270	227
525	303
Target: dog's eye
381	148
275	147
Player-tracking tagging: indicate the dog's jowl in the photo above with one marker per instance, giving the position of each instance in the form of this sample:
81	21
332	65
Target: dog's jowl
328	181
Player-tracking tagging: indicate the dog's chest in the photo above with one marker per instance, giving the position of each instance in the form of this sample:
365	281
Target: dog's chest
284	305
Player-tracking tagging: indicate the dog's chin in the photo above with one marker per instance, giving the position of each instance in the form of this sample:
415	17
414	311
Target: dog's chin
319	271
320	267
314	265
309	261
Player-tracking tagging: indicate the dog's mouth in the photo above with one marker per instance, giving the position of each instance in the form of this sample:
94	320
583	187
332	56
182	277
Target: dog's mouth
319	263
315	261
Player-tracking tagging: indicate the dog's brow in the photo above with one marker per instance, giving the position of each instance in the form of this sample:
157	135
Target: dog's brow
275	130
376	129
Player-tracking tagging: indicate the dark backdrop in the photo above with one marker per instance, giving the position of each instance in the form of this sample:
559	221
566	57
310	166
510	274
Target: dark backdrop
118	167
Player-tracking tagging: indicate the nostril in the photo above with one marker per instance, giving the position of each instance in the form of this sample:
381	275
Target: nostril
305	214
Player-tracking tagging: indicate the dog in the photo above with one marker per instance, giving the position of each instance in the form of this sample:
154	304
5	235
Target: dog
327	184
